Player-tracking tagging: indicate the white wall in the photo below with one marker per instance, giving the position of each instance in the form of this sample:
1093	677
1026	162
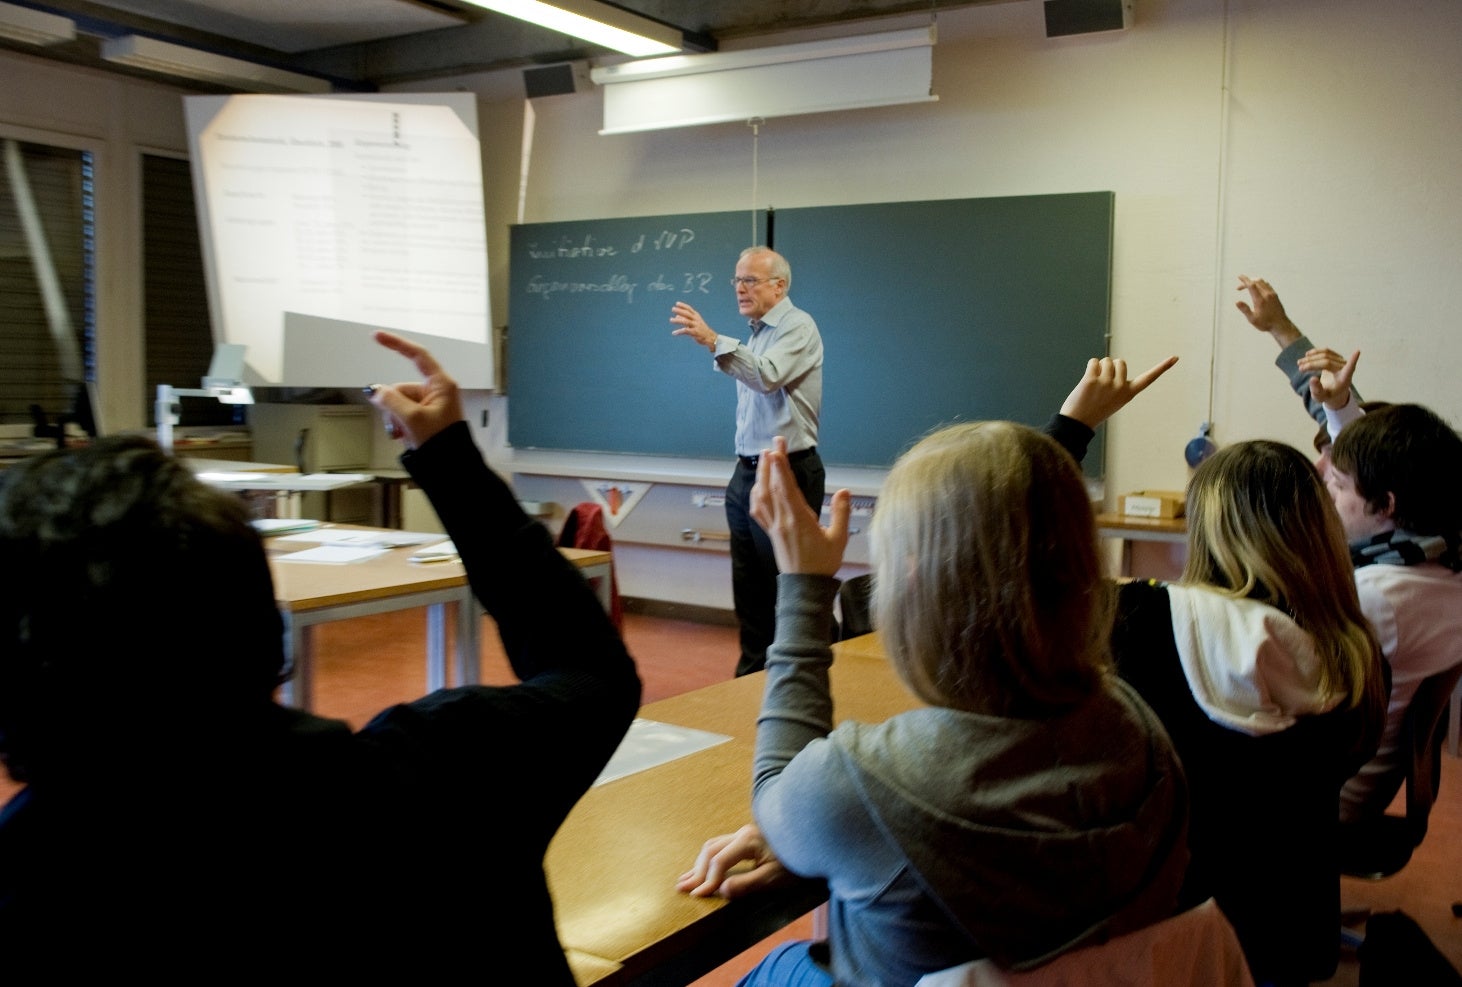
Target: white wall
1312	142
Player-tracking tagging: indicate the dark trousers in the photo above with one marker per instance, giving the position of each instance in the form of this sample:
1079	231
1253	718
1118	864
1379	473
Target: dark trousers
753	565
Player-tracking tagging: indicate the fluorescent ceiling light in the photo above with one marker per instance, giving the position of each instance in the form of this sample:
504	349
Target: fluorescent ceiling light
34	27
191	63
596	22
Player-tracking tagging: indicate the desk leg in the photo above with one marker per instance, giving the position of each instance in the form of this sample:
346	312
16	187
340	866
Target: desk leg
469	637
299	641
599	577
436	647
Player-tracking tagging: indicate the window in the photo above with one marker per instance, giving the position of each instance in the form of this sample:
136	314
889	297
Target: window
47	300
175	301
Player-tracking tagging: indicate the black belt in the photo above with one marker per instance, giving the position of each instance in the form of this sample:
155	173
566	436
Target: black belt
792	457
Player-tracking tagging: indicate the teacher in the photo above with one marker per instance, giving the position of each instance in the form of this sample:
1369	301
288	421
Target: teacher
778	374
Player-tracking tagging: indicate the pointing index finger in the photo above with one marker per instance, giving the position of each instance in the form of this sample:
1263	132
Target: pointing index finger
426	364
1139	384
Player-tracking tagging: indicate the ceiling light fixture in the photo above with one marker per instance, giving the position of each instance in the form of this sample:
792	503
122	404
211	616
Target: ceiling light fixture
34	27
596	22
191	63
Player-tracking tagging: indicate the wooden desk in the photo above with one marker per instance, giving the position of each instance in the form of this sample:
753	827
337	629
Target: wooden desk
1133	529
310	594
612	867
597	567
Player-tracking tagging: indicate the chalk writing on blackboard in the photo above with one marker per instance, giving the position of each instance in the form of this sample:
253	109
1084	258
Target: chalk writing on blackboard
637	248
585	247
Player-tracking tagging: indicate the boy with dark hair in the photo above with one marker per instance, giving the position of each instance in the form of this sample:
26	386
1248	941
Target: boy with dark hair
173	810
1394	476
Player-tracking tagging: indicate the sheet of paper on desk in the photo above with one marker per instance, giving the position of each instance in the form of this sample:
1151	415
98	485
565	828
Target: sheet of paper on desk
334	554
440	552
377	538
209	476
649	743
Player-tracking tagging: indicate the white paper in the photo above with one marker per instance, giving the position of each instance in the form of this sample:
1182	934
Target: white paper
440	552
333	554
379	538
649	743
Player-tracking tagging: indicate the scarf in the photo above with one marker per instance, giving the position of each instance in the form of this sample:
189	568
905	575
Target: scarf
1400	547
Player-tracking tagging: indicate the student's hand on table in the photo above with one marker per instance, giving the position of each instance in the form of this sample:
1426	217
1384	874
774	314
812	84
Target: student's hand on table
1265	312
416	411
713	875
800	543
1333	372
1104	389
691	324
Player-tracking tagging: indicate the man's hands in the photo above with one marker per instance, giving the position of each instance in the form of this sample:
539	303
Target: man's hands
1264	311
417	411
1104	389
692	325
712	875
800	543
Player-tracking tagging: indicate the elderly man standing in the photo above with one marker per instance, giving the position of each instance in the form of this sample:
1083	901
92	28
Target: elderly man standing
778	374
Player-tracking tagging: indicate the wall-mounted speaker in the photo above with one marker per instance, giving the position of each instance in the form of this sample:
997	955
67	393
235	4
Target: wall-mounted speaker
1065	17
556	80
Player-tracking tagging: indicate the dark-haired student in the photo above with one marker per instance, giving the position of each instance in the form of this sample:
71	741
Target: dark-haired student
1394	475
177	822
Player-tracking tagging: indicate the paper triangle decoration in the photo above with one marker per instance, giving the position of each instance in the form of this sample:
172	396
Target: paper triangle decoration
616	497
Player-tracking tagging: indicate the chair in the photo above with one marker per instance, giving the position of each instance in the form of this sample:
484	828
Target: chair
1377	848
1195	948
854	606
584	528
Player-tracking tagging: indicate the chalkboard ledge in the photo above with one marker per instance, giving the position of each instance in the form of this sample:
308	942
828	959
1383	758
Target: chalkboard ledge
861	481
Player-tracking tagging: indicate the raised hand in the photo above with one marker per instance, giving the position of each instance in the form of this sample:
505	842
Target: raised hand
1333	372
417	410
800	543
1104	389
1265	312
691	324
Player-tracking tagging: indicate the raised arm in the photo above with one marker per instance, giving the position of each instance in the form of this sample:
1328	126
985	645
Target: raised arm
1265	312
1103	390
578	680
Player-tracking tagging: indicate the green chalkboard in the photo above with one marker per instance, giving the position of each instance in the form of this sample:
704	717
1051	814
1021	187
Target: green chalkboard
930	312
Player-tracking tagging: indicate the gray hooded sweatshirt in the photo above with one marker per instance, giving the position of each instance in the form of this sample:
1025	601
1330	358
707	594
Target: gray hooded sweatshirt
946	836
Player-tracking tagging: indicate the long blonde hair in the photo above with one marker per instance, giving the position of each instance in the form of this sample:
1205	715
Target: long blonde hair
1262	526
988	589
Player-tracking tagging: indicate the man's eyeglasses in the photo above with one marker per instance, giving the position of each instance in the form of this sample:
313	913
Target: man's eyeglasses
750	282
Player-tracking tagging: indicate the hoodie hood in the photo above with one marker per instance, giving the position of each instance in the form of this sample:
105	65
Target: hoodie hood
1036	835
1250	667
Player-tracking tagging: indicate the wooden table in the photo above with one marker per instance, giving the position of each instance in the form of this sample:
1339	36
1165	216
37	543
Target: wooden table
1133	529
613	865
310	594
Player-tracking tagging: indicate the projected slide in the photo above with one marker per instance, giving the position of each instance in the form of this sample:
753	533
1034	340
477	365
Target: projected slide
323	218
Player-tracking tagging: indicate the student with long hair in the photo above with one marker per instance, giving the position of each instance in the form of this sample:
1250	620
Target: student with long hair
1033	806
1268	678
